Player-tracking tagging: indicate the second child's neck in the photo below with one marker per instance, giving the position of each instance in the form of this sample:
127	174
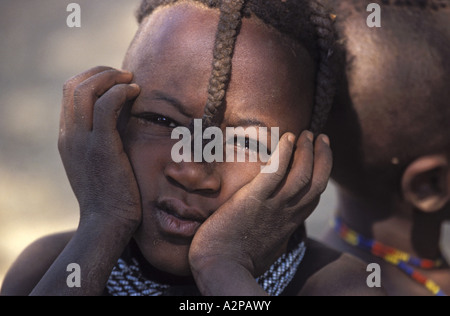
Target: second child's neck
391	223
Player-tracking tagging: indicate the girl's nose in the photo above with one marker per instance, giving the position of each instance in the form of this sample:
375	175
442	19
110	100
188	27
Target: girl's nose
194	176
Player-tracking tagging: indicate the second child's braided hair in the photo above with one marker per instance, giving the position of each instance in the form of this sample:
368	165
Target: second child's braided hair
305	21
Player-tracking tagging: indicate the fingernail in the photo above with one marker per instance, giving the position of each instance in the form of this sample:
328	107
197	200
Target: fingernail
291	138
136	88
126	72
310	136
326	140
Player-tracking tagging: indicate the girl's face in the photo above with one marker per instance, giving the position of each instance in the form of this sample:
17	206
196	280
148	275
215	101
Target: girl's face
272	85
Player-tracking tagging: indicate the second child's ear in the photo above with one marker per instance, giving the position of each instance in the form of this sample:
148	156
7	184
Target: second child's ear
426	183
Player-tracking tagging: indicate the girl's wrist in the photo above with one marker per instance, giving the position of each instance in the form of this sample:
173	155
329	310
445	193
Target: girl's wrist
106	220
94	248
223	277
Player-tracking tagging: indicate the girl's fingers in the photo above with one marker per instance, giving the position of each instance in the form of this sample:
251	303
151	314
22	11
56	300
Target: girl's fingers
301	172
323	163
108	107
88	92
265	184
72	83
66	118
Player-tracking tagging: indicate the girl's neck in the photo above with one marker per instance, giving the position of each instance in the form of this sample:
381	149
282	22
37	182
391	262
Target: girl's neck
154	274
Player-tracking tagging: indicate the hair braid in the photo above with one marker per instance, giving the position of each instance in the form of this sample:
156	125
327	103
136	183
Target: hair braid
325	81
229	22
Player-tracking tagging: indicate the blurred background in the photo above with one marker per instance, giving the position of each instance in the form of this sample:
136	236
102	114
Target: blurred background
38	52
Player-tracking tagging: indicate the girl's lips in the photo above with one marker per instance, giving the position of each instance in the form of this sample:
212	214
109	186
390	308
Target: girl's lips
172	221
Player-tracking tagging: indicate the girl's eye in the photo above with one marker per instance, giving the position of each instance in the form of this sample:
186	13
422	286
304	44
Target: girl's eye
157	119
246	143
249	144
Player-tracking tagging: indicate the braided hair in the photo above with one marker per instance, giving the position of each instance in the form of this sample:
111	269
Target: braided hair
306	22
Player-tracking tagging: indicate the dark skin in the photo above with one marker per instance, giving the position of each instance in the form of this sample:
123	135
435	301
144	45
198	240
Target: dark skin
272	82
391	163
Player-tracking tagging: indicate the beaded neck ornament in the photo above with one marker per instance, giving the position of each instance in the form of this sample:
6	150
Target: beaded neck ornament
402	260
127	279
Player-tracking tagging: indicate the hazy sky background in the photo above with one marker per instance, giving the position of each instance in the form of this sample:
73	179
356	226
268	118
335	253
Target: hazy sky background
38	53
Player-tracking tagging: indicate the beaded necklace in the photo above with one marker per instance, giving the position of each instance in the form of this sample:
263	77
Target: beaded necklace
404	261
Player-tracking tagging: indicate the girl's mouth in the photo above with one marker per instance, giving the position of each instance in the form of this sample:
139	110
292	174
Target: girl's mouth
177	219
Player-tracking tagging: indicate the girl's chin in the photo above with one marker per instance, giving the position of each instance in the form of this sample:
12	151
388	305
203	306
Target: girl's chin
166	256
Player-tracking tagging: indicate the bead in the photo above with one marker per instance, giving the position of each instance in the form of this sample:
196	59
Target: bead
393	256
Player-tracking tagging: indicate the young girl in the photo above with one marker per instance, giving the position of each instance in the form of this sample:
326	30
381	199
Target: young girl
153	226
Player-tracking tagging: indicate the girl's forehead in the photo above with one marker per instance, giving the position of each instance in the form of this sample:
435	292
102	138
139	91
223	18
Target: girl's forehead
173	35
174	48
189	25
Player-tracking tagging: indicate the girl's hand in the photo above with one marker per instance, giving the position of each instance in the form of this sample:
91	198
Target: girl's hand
251	230
91	148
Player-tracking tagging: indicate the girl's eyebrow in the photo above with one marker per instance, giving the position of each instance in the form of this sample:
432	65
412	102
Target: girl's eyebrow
162	96
235	122
245	122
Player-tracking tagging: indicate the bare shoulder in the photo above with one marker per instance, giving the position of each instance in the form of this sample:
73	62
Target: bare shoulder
325	271
32	264
345	276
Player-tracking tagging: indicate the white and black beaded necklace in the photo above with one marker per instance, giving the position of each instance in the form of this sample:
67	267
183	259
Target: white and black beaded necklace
126	279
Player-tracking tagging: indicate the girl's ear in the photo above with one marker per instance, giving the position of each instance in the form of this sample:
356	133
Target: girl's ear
426	183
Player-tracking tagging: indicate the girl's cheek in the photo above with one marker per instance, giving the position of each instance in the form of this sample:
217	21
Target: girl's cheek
147	153
236	175
137	135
